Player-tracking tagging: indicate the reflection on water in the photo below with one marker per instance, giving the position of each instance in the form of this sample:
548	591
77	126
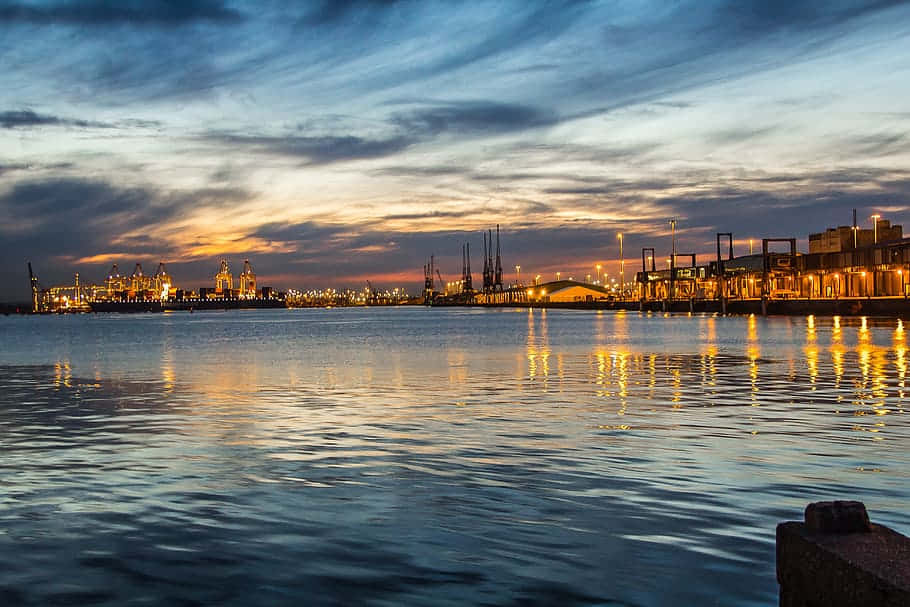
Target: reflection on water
434	456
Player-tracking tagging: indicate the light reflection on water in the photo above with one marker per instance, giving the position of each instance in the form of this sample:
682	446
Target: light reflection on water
434	456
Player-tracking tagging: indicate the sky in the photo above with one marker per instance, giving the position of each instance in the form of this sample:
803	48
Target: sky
337	142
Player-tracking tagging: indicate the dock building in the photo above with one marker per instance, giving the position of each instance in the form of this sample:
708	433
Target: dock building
843	262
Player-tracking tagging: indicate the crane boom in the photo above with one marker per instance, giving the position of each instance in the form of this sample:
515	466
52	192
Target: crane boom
442	283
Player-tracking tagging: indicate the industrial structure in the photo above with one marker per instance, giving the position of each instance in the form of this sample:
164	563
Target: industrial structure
141	292
437	291
843	264
853	269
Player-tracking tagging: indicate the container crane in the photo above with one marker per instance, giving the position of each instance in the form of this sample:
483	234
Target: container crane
373	297
36	288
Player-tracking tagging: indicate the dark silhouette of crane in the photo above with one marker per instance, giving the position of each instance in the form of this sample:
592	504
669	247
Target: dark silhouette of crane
497	278
36	288
467	281
373	295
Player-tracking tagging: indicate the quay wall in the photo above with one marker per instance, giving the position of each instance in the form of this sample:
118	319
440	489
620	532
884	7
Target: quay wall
878	306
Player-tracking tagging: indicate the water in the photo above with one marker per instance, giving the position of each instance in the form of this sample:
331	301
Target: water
431	457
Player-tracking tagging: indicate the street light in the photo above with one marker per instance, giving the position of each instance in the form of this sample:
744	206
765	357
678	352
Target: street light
557	275
518	275
750	246
598	266
875	219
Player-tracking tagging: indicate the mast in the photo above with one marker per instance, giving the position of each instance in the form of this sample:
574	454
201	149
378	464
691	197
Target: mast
464	268
486	265
33	281
468	279
498	278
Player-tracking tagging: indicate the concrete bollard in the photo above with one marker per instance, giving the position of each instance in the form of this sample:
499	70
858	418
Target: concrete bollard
837	558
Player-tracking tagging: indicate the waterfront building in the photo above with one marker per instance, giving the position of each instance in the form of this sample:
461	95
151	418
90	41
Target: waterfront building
868	270
564	291
848	238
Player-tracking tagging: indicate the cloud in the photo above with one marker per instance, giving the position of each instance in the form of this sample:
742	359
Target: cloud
408	128
473	118
330	12
315	150
69	219
762	16
105	12
15	166
12	119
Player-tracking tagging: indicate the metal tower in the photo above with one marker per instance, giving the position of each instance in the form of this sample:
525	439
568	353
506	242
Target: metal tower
487	281
36	290
138	280
497	278
163	282
247	280
468	284
223	279
114	282
428	286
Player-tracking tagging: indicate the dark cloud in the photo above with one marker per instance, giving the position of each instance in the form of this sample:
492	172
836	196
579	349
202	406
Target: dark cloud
739	135
879	144
421	171
761	16
315	150
12	119
65	218
473	118
463	119
330	12
110	12
21	119
15	166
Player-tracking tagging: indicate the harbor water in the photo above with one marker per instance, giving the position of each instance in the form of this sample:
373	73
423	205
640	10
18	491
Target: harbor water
414	456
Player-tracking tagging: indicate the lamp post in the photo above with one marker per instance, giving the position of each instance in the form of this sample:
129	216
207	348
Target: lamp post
598	266
557	275
750	246
518	275
875	219
622	269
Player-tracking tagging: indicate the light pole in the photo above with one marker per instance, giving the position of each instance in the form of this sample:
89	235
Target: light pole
622	269
875	219
557	275
750	246
518	275
598	266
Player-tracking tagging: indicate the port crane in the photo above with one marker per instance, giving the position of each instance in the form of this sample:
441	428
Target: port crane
373	297
442	283
36	288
